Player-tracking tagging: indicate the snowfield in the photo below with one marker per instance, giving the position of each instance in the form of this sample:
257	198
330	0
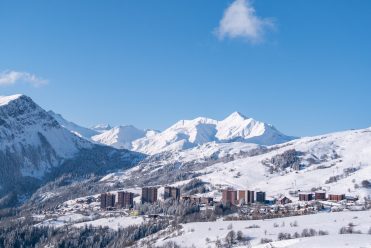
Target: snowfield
338	241
113	222
197	233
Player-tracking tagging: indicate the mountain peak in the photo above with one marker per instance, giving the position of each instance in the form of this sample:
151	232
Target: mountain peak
4	100
101	127
235	116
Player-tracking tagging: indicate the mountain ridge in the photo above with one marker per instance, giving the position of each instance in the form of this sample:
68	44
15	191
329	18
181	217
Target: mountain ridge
35	148
185	134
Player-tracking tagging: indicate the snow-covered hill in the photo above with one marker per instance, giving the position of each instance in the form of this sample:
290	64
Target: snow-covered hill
33	144
73	127
122	137
205	234
336	162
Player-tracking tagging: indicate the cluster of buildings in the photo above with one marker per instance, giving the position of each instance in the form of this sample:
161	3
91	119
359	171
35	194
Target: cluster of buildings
320	196
234	197
229	196
126	199
241	197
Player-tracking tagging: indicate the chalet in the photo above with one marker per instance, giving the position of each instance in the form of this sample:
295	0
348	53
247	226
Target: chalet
283	200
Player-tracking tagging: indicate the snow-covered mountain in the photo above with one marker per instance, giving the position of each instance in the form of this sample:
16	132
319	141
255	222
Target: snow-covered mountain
73	127
182	135
100	128
122	137
190	133
34	147
336	162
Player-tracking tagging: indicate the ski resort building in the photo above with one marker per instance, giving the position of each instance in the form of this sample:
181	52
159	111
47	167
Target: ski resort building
171	192
305	196
246	196
125	199
199	200
320	195
107	200
260	197
336	197
229	196
149	194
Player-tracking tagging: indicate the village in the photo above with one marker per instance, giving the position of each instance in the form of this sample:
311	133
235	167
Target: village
247	203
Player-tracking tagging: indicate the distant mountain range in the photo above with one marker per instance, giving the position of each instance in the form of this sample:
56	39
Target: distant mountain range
182	135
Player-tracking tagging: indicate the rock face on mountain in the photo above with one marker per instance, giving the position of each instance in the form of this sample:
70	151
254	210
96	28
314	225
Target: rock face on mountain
100	128
35	148
190	133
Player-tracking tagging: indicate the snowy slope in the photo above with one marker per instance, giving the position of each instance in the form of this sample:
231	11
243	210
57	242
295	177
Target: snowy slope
195	234
320	157
33	138
343	155
238	127
33	144
186	134
120	137
74	128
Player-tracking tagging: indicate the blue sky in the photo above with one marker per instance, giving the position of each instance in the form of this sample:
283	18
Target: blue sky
304	66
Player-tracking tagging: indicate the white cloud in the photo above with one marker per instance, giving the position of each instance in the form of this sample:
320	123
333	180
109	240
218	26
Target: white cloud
12	77
241	21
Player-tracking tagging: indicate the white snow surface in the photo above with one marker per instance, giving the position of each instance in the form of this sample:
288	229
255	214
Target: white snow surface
73	127
196	233
339	151
4	100
120	137
186	134
113	222
205	234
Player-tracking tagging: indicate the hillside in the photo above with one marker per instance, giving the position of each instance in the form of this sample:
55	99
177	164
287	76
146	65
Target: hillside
80	131
336	162
35	148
